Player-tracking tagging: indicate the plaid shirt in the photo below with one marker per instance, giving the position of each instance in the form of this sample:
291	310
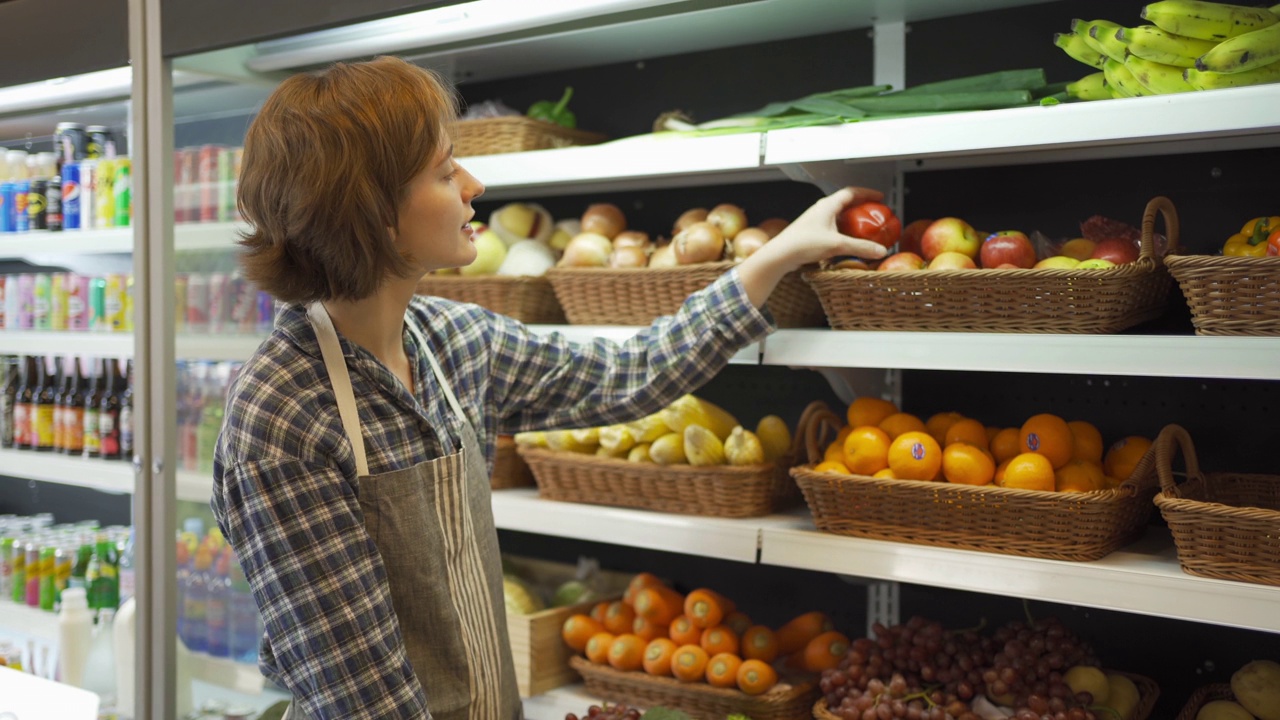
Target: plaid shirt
285	486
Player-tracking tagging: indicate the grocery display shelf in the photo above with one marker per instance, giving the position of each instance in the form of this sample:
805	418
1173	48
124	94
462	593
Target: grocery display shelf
65	342
558	702
1221	119
226	673
67	242
218	346
1143	578
27	622
193	486
113	476
1251	358
749	355
722	538
207	236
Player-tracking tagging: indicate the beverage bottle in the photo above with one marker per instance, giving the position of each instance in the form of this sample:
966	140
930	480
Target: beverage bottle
73	410
59	405
18	563
210	424
126	414
8	398
22	405
93	410
218	612
183	566
48	577
195	598
75	633
128	576
43	426
103	576
100	666
80	566
109	414
244	621
35	570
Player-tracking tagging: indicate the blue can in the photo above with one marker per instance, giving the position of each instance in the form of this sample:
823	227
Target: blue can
22	221
8	220
71	196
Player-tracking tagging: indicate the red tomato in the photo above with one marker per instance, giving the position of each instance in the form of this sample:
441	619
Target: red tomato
1273	243
870	221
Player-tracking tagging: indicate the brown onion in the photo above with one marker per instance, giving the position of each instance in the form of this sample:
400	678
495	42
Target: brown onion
748	241
631	238
604	219
587	250
664	256
701	242
628	257
731	219
773	226
687	218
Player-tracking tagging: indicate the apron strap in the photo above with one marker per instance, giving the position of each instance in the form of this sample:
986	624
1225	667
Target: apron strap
435	369
336	366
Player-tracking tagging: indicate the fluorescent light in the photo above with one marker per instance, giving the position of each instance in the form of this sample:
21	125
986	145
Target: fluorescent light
438	26
89	87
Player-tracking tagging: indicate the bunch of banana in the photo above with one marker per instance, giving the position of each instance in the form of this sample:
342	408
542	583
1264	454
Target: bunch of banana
1207	20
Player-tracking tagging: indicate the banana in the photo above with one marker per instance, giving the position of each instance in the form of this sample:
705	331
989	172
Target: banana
1214	81
1089	87
1151	43
1122	81
1207	20
1159	79
1076	47
1242	53
1099	34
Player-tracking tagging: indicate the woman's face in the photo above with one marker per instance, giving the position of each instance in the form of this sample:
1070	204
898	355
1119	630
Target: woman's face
433	229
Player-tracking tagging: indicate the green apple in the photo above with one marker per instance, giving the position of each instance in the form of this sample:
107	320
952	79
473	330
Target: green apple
1057	262
1095	264
490	252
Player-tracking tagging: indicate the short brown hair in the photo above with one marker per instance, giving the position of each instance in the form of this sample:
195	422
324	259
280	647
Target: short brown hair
326	164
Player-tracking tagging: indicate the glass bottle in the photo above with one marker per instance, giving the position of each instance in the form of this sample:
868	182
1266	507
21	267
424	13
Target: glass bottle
93	410
109	414
73	410
42	427
60	394
8	398
22	406
126	414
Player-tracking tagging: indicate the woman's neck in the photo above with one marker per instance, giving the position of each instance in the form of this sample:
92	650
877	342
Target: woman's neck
376	323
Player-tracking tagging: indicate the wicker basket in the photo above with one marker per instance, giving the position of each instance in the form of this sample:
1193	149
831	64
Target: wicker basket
509	470
1203	696
515	133
1230	295
791	699
636	296
1024	301
1148	693
1031	523
527	299
1226	525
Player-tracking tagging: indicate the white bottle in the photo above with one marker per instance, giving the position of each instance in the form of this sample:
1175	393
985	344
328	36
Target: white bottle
75	633
100	670
125	646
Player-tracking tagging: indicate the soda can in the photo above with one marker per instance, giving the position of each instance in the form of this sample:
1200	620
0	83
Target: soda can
8	223
207	182
128	303
236	160
98	305
242	305
99	142
219	302
184	200
113	302
24	302
122	188
36	205
77	302
180	302
71	196
226	185
58	301
266	312
42	290
197	303
88	194
53	204
104	194
22	221
70	142
12	302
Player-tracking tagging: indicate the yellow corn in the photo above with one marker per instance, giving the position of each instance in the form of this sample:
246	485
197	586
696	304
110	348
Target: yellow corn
743	448
702	446
640	454
668	450
690	410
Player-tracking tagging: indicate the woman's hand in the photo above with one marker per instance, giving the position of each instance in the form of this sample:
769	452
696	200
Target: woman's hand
811	238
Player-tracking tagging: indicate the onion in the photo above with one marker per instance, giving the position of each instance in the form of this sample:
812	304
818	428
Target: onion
773	226
748	241
628	257
565	230
528	257
701	242
664	256
687	218
631	238
729	218
604	219
587	250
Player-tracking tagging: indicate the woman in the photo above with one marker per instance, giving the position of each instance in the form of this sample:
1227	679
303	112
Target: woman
351	476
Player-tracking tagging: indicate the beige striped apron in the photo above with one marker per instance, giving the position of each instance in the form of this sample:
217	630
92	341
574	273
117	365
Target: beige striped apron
433	526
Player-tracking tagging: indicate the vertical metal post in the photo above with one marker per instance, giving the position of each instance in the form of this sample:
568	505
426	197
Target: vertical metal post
889	53
882	604
151	145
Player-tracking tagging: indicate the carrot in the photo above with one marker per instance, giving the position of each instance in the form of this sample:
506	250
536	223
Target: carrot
598	610
638	583
683	631
619	617
756	677
796	634
719	639
578	630
648	630
689	663
659	604
598	648
705	608
627	652
825	651
759	643
657	656
722	670
739	621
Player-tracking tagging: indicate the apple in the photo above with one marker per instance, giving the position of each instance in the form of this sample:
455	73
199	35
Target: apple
850	263
1078	248
902	261
910	240
952	261
949	235
1057	262
1095	264
490	252
1010	247
1117	250
1008	266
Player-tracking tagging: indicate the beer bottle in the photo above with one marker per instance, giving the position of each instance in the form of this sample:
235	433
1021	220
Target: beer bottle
73	410
126	414
22	411
92	410
44	404
59	404
8	398
109	413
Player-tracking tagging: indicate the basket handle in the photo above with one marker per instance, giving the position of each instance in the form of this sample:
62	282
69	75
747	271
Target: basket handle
1171	438
821	421
1165	207
802	425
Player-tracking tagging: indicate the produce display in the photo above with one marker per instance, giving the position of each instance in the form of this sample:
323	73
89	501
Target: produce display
1188	45
1256	688
1260	237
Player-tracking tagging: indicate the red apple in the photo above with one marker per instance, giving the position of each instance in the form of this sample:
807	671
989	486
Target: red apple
1117	250
1008	246
902	261
952	261
1007	266
949	235
910	240
850	263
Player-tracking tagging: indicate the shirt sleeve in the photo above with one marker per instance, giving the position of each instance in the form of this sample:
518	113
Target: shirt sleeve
547	382
333	638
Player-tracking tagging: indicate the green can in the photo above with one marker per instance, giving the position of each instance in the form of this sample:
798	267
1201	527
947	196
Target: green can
48	578
98	305
122	187
42	294
226	185
19	563
6	567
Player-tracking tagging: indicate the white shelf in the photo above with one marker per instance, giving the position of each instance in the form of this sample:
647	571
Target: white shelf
67	242
193	486
207	236
226	673
749	355
1087	129
27	622
113	476
1252	358
722	538
1144	578
62	342
555	704
216	347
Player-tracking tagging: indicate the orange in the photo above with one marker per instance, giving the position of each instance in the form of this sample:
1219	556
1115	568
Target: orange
1123	457
844	433
998	479
722	670
657	656
915	456
832	466
619	618
578	630
966	464
719	639
866	450
1006	444
1029	471
689	663
1049	436
598	648
885	474
1079	476
835	451
627	652
939	423
756	677
966	431
1087	441
869	411
992	432
899	423
759	643
683	631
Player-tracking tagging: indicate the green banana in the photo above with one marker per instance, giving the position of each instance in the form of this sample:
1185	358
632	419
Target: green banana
1100	34
1159	79
1214	81
1122	81
1207	20
1075	46
1151	43
1089	87
1241	53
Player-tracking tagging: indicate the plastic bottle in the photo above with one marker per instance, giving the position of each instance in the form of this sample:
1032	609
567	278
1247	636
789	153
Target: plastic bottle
183	558
210	424
128	577
124	645
195	600
218	610
100	667
244	620
75	632
103	576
